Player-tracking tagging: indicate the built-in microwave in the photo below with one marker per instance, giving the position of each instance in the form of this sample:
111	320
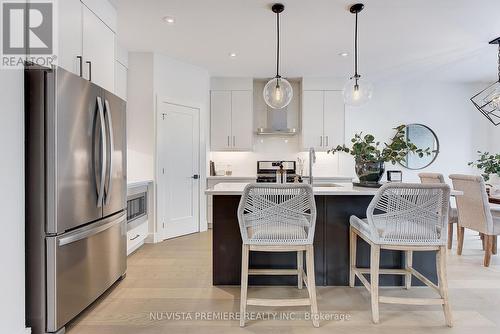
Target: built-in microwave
137	206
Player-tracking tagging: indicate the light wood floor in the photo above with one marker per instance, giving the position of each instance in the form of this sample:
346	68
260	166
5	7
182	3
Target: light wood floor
175	276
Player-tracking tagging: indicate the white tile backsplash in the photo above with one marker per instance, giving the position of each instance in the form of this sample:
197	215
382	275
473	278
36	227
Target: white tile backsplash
275	148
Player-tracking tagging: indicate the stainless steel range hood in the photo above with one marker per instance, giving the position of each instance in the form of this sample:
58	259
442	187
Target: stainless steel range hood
277	122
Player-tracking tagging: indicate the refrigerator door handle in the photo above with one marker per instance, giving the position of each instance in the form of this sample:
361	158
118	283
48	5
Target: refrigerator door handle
111	148
100	189
87	233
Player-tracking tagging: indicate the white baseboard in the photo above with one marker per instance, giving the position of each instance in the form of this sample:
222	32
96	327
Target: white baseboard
153	238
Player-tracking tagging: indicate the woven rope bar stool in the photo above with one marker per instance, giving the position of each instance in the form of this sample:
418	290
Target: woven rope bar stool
278	218
452	212
409	218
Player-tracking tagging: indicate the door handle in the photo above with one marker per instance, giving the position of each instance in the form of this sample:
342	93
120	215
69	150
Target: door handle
327	141
100	187
80	60
321	141
228	142
88	232
109	150
90	69
195	176
234	141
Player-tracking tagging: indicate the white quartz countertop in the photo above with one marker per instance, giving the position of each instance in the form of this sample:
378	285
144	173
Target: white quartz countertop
340	189
233	177
138	183
335	178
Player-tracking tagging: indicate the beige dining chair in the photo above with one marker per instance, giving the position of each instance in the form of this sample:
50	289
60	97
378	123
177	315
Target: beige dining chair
452	212
475	213
278	218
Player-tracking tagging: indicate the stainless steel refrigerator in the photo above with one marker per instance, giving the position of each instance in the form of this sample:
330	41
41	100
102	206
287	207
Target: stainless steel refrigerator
76	184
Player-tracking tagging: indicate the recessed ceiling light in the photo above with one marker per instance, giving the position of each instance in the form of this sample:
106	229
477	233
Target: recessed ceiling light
344	54
232	54
169	19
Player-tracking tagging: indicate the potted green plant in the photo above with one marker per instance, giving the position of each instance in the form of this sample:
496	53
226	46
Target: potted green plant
488	164
371	157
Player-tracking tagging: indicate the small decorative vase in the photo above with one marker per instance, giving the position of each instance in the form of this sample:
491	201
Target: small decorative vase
369	173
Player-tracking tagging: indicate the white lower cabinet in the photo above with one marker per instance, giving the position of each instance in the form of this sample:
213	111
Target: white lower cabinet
136	237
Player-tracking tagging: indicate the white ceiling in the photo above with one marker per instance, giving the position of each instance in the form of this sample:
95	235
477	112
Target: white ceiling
440	39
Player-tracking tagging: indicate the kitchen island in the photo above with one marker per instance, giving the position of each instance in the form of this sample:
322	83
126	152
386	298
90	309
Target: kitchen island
335	204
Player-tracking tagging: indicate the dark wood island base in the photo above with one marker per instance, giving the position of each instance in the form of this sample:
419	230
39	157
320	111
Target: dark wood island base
331	247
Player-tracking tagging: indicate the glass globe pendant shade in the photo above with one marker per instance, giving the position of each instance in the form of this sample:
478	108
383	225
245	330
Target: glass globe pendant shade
278	93
357	91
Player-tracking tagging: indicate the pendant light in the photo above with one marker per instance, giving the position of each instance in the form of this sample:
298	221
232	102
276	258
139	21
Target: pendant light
357	91
488	100
278	92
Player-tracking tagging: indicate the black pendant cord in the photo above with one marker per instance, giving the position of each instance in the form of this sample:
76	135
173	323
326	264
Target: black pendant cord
356	48
278	46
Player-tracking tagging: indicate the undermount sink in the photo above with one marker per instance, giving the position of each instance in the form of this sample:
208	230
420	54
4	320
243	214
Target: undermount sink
325	185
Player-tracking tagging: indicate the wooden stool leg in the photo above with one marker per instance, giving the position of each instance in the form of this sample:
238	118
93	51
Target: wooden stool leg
460	242
483	242
352	256
408	265
244	283
495	249
300	267
443	284
311	284
488	240
374	272
450	235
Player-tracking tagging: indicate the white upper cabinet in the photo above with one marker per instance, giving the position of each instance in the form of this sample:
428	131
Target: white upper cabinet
121	80
242	120
86	41
334	119
121	71
231	120
322	119
98	51
220	120
104	10
70	35
312	119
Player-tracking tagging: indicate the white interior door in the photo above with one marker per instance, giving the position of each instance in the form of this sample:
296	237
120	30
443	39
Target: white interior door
178	174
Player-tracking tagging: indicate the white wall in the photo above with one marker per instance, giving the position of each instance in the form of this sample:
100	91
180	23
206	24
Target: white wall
444	107
140	117
155	77
12	290
188	85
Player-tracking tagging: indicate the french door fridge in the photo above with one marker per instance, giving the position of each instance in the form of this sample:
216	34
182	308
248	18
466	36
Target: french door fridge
75	195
